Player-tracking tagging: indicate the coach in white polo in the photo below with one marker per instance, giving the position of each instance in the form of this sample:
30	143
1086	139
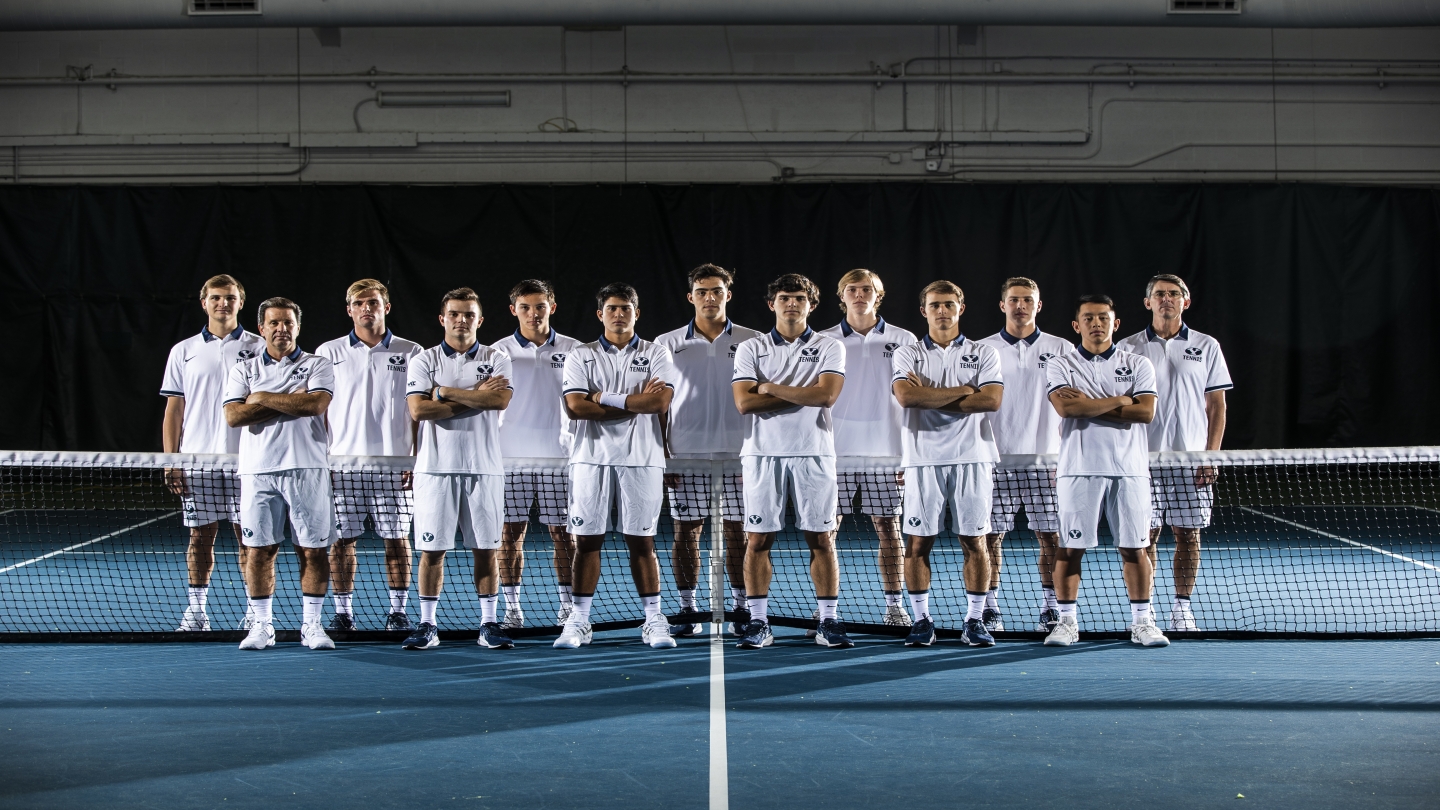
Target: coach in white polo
1104	396
456	391
615	390
1191	378
195	377
279	400
785	384
947	384
535	426
704	424
369	418
1026	424
867	423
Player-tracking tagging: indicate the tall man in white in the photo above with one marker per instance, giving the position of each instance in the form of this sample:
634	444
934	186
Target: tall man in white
704	424
1103	395
785	383
195	377
1026	424
615	390
456	391
369	418
279	399
535	426
1192	378
947	384
867	423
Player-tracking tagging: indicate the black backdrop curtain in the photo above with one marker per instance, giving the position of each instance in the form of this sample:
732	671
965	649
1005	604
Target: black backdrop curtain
1322	296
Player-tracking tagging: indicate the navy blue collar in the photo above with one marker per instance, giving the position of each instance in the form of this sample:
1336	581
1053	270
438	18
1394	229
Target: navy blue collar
525	342
1105	355
779	340
690	330
209	336
1012	340
449	352
293	356
930	344
846	331
1184	333
385	341
611	347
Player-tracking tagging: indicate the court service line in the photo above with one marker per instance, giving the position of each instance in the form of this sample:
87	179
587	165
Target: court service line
1341	539
89	542
719	740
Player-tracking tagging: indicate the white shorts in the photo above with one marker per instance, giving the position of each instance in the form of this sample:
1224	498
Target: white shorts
380	495
1034	490
808	481
550	487
965	488
1177	501
1126	502
879	492
473	503
690	499
304	495
635	493
210	496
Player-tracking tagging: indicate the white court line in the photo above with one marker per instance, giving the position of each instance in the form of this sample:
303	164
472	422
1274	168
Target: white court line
719	755
1342	539
89	542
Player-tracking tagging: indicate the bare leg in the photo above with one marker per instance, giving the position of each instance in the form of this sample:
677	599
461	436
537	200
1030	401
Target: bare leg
644	565
994	548
735	555
512	553
564	544
685	554
1049	542
260	566
977	564
917	563
242	553
1139	573
892	553
314	566
397	563
343	565
1187	560
587	563
824	567
432	574
758	570
200	555
487	571
1067	573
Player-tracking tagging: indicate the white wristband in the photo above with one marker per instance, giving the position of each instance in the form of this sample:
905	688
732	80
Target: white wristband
613	400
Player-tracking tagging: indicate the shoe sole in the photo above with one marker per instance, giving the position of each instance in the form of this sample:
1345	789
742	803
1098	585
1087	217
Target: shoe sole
560	646
766	642
322	645
661	644
489	646
1058	643
839	645
429	645
927	643
975	643
1165	643
270	642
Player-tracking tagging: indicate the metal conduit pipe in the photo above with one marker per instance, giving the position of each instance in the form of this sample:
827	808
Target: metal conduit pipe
42	15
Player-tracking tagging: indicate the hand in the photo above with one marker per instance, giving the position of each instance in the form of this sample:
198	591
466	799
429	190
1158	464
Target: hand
1071	393
654	385
1205	476
496	382
763	389
175	481
672	480
915	379
407	480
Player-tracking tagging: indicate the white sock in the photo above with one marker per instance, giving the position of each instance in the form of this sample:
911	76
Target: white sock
893	598
977	605
314	606
260	609
1049	603
582	608
398	598
488	603
687	600
738	595
1071	609
651	604
427	609
565	597
920	604
827	608
1139	610
759	605
342	601
512	595
198	596
1181	603
992	599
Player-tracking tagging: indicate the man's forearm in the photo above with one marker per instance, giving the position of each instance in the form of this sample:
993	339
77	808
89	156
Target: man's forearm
761	403
807	395
424	409
174	424
241	414
1091	408
478	398
924	397
1215	429
986	400
306	404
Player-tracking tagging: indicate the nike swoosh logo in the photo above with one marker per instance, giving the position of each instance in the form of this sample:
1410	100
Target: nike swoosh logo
336	362
188	359
677	351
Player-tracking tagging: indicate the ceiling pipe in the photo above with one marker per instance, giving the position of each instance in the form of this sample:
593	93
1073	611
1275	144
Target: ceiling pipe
99	15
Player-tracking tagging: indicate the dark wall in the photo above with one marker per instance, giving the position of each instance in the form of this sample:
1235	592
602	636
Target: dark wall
1320	295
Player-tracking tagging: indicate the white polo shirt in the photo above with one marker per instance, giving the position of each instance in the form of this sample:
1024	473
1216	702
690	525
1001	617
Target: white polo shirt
1100	446
602	366
704	422
282	442
1026	422
198	370
1187	367
799	430
535	424
368	416
867	417
931	437
468	442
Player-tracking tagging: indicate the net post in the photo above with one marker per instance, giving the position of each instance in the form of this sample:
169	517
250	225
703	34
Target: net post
717	543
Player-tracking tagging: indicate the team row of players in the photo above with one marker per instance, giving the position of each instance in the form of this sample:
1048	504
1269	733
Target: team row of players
784	402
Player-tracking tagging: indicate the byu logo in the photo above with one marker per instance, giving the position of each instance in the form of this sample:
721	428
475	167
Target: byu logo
397	360
890	348
810	354
337	525
754	520
245	354
1075	534
970	361
577	521
300	374
1124	374
428	537
914	521
189	507
484	372
640	364
682	508
247	532
1046	357
1194	353
557	360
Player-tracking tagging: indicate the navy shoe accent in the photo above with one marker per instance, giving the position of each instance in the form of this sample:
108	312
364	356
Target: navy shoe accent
831	633
342	621
756	634
922	633
492	635
398	621
426	635
976	635
742	618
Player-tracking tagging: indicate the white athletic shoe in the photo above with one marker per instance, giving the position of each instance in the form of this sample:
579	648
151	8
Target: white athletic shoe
896	616
249	620
1146	634
514	617
312	635
1066	632
563	614
194	621
656	632
262	635
1182	619
574	635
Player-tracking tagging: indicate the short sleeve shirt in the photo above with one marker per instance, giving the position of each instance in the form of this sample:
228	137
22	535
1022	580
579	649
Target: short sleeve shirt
469	441
198	369
633	441
1099	446
368	416
1026	422
1187	367
800	430
867	417
282	442
535	424
704	422
932	437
